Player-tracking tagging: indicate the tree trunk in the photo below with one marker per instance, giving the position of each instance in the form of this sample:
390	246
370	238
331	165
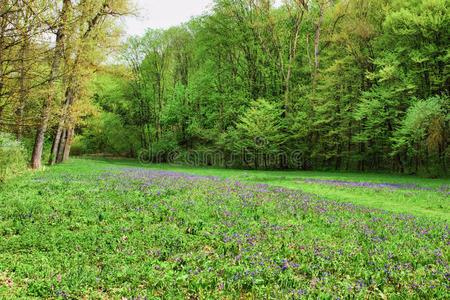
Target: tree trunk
54	73
338	158
60	147
20	119
69	100
23	90
316	50
68	144
2	33
40	135
55	146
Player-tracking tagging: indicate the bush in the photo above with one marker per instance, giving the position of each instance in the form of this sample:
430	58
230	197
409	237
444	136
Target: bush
12	156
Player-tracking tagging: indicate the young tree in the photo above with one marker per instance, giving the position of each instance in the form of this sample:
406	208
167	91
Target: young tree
260	134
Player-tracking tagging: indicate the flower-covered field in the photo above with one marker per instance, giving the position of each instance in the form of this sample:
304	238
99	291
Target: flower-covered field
143	234
407	188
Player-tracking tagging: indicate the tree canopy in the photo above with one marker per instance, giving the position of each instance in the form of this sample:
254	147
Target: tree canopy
313	84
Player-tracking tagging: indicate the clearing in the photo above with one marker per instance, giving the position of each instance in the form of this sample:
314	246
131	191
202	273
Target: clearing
111	229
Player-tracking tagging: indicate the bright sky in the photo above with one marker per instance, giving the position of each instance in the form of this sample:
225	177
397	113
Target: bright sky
165	13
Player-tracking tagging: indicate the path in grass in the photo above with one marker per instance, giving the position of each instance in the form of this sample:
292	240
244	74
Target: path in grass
106	229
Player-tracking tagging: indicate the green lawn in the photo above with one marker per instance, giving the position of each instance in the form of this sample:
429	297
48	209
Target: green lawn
104	229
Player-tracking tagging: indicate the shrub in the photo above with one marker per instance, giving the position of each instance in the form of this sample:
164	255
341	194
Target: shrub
12	156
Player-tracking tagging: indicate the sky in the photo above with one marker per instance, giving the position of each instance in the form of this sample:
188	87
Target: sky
164	14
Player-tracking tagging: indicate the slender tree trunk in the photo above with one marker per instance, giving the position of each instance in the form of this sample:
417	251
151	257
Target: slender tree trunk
347	162
309	58
70	94
143	134
68	144
160	105
20	119
55	146
338	157
61	144
316	50
23	90
54	73
40	135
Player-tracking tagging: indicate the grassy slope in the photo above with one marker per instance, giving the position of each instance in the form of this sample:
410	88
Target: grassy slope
424	203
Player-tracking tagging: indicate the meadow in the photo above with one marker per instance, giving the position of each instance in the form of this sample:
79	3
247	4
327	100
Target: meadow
103	229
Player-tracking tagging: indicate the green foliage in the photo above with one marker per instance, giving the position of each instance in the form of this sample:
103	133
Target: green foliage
423	132
258	133
107	134
12	156
196	87
262	119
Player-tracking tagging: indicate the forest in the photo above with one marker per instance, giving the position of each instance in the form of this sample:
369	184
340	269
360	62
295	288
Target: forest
348	85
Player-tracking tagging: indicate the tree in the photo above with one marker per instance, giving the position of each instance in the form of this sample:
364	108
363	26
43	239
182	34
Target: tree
90	22
280	44
259	134
424	133
64	20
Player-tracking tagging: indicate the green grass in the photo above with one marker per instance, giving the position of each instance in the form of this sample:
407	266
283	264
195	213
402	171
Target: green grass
424	203
90	229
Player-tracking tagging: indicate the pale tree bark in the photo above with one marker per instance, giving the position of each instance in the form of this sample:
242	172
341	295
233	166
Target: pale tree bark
316	46
54	73
309	58
70	94
317	30
61	144
68	144
29	27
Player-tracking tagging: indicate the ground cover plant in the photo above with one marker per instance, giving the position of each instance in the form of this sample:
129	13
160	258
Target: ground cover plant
12	156
101	229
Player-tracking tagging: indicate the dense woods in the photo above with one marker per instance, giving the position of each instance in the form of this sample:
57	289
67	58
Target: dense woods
341	85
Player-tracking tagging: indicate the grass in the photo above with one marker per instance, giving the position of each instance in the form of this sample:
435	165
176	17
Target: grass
110	229
419	203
